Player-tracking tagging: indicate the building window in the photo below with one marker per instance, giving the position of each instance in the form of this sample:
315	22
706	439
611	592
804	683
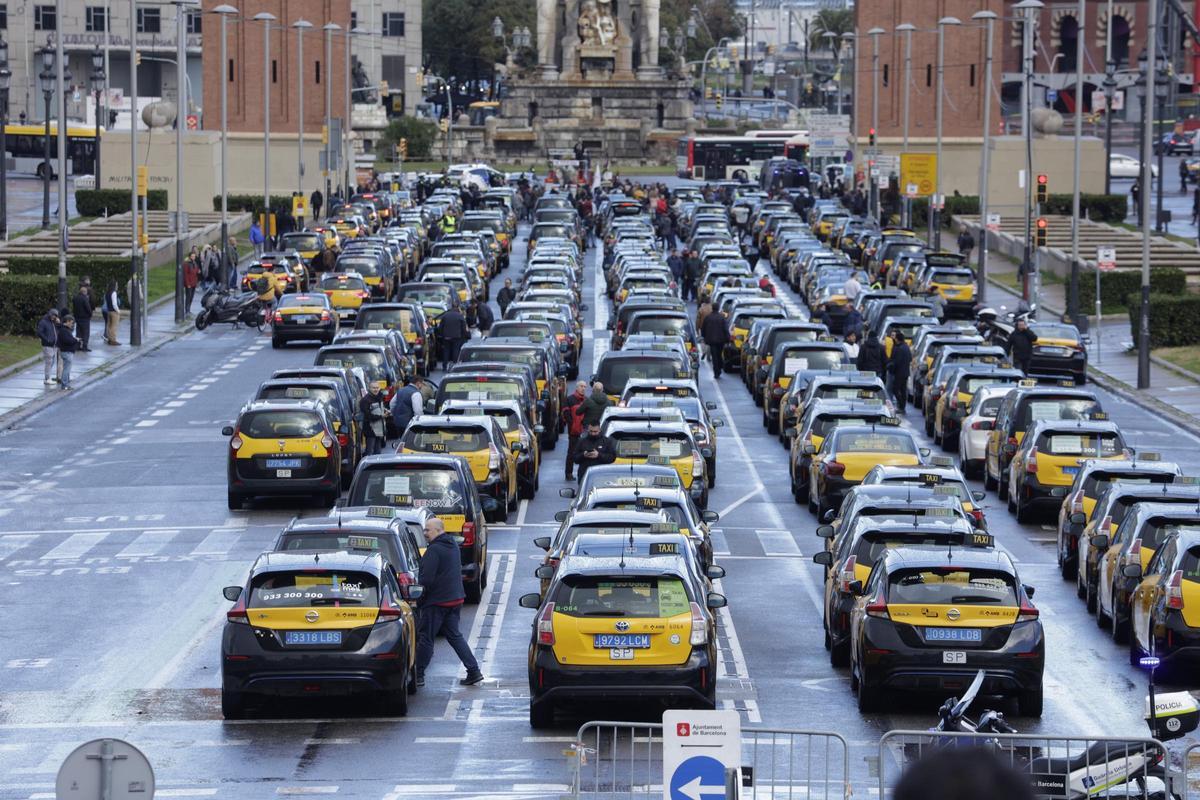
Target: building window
972	74
885	75
193	22
230	76
274	71
3	16
149	20
353	20
45	18
928	75
393	23
95	20
317	66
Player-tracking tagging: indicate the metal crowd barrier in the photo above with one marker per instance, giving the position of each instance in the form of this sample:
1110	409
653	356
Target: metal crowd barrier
1058	766
1190	773
624	759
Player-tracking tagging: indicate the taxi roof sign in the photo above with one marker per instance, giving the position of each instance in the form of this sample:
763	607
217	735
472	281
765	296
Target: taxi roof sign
980	539
384	512
941	461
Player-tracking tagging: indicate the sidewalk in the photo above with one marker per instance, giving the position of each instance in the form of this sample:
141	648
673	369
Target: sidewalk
1112	361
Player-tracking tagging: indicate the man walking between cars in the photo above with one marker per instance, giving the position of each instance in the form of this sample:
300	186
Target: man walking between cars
453	331
900	364
441	603
573	417
1020	345
374	411
716	336
82	308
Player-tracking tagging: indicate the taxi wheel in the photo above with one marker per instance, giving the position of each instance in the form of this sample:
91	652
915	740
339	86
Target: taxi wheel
1102	619
937	437
1120	626
275	343
1029	704
1090	597
233	705
474	589
1068	566
928	425
988	483
868	698
395	704
235	501
799	491
839	654
712	474
1001	488
1024	511
950	443
772	423
541	714
513	498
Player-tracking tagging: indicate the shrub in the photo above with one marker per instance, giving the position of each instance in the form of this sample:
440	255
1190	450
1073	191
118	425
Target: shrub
237	203
1096	207
1174	319
961	204
24	299
100	270
420	133
1116	286
96	202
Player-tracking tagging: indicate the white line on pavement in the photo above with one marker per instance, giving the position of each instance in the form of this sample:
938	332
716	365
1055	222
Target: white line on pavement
148	543
75	546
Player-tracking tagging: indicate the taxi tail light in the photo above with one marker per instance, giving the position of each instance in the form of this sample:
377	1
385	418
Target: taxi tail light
545	625
343	440
699	636
1027	612
236	442
1031	462
493	458
1105	525
847	575
1175	590
388	611
326	440
835	468
363	295
325	316
697	465
468	534
238	612
1134	556
877	610
278	317
1077	504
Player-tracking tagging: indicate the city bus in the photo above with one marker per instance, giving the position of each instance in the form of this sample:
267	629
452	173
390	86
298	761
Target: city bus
775	134
25	148
796	147
718	158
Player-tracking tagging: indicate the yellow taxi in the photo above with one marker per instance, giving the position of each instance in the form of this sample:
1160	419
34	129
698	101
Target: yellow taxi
519	432
849	452
668	444
1165	606
479	440
930	619
310	244
638	625
256	271
347	292
956	287
279	447
319	624
346	226
1051	455
303	316
941	475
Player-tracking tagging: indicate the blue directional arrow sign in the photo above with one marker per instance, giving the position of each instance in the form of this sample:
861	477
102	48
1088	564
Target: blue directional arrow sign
698	778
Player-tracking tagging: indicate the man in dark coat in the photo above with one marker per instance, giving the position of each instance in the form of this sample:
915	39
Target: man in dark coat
1020	345
593	448
374	411
316	200
505	296
441	603
899	364
452	331
484	318
592	409
82	309
691	274
715	334
872	357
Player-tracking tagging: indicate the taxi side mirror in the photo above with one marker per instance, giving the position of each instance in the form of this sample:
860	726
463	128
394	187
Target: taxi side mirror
978	496
825	531
830	515
532	600
718	422
542	542
807	449
1060	491
710	405
227	430
516	447
706	452
545	572
232	593
1029	590
709	516
583	307
567	492
716	600
539	429
824	558
1100	541
413	592
924	451
715	572
856	588
1078	518
559	516
1132	570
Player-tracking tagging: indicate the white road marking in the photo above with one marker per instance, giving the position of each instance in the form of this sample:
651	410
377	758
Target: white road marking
522	510
441	740
404	790
317	741
218	542
148	543
11	544
719	542
75	545
306	790
506	583
163	412
777	542
147	423
185	792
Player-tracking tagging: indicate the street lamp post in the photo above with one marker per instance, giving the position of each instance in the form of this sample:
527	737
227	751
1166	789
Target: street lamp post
1030	9
136	307
907	29
852	40
521	37
1143	371
225	11
989	18
329	28
98	77
1110	87
1073	289
5	85
873	191
182	8
46	81
266	18
300	25
61	76
935	208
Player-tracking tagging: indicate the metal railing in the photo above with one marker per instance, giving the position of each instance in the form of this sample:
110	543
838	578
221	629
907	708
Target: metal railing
624	759
1058	766
1190	756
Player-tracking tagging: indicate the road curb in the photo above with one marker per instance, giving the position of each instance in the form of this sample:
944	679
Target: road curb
1126	392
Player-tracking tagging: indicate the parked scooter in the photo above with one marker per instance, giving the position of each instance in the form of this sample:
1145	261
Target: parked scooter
222	305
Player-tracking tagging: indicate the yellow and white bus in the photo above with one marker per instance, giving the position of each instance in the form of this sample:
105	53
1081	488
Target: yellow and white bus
25	148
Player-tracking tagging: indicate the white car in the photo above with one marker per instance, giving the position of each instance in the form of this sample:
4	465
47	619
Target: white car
980	419
1123	166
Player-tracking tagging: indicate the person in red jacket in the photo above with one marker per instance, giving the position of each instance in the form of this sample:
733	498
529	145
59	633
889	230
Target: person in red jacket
573	418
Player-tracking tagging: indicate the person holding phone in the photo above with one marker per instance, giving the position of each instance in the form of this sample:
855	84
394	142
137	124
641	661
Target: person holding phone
593	448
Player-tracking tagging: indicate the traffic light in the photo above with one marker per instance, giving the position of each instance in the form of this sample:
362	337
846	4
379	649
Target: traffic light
1043	188
444	124
770	49
733	52
1040	238
720	100
871	137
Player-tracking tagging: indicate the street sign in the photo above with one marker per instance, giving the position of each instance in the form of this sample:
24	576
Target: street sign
698	746
193	122
881	179
105	769
871	152
1051	96
299	205
887	164
1106	259
1118	100
828	134
910	190
993	222
919	169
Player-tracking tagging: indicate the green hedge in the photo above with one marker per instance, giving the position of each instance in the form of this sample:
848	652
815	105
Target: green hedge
253	202
1096	207
1174	319
1116	286
95	202
100	270
960	204
24	299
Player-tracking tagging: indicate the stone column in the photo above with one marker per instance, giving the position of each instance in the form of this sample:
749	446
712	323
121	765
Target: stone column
547	27
648	36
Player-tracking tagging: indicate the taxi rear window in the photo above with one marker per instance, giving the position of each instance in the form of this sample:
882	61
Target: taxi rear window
628	480
313	588
1081	444
281	425
632	445
831	391
588	596
975	383
423	294
953	278
947	585
334	541
1057	408
439	490
796	360
372	363
347	284
1046	330
676	514
822	425
876	442
1099	480
664	326
507	354
1191	565
481	390
872	545
447	440
363	266
302	242
506	417
615	373
323	394
301	300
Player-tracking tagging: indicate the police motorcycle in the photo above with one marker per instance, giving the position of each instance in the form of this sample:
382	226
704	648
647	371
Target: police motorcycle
245	308
1112	768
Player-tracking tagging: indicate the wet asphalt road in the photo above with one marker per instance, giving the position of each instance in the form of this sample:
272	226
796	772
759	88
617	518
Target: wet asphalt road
115	543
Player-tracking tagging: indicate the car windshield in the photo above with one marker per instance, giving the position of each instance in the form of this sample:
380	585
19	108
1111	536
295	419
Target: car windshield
426	294
508	419
794	361
302	300
281	425
342	284
304	242
1053	409
384	318
949	585
435	488
1101	445
480	389
953	278
371	362
634	596
614	373
875	442
823	424
459	439
363	266
313	588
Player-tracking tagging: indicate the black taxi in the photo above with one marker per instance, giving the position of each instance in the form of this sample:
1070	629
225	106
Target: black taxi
282	447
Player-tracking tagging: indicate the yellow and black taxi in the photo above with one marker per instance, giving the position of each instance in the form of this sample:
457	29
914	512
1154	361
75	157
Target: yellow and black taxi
347	292
695	413
1050	456
310	244
434	298
374	265
410	320
1095	476
442	485
849	452
1058	351
1136	541
283	447
379	529
1026	404
672	501
742	316
304	316
956	287
492	381
796	362
378	364
622	475
319	624
398	353
929	619
666	389
1165	606
521	435
819	418
668	444
845	383
941	475
955	401
857	551
348	227
290	272
887	501
478	439
343	412
575	522
618	367
637	626
542	357
764	337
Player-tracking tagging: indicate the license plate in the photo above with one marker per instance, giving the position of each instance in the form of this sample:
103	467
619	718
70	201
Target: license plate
312	637
954	657
612	641
621	654
1070	470
283	463
953	635
283	473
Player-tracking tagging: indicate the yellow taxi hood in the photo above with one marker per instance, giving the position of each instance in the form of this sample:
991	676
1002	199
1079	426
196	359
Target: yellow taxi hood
1045	341
936	616
328	617
575	640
